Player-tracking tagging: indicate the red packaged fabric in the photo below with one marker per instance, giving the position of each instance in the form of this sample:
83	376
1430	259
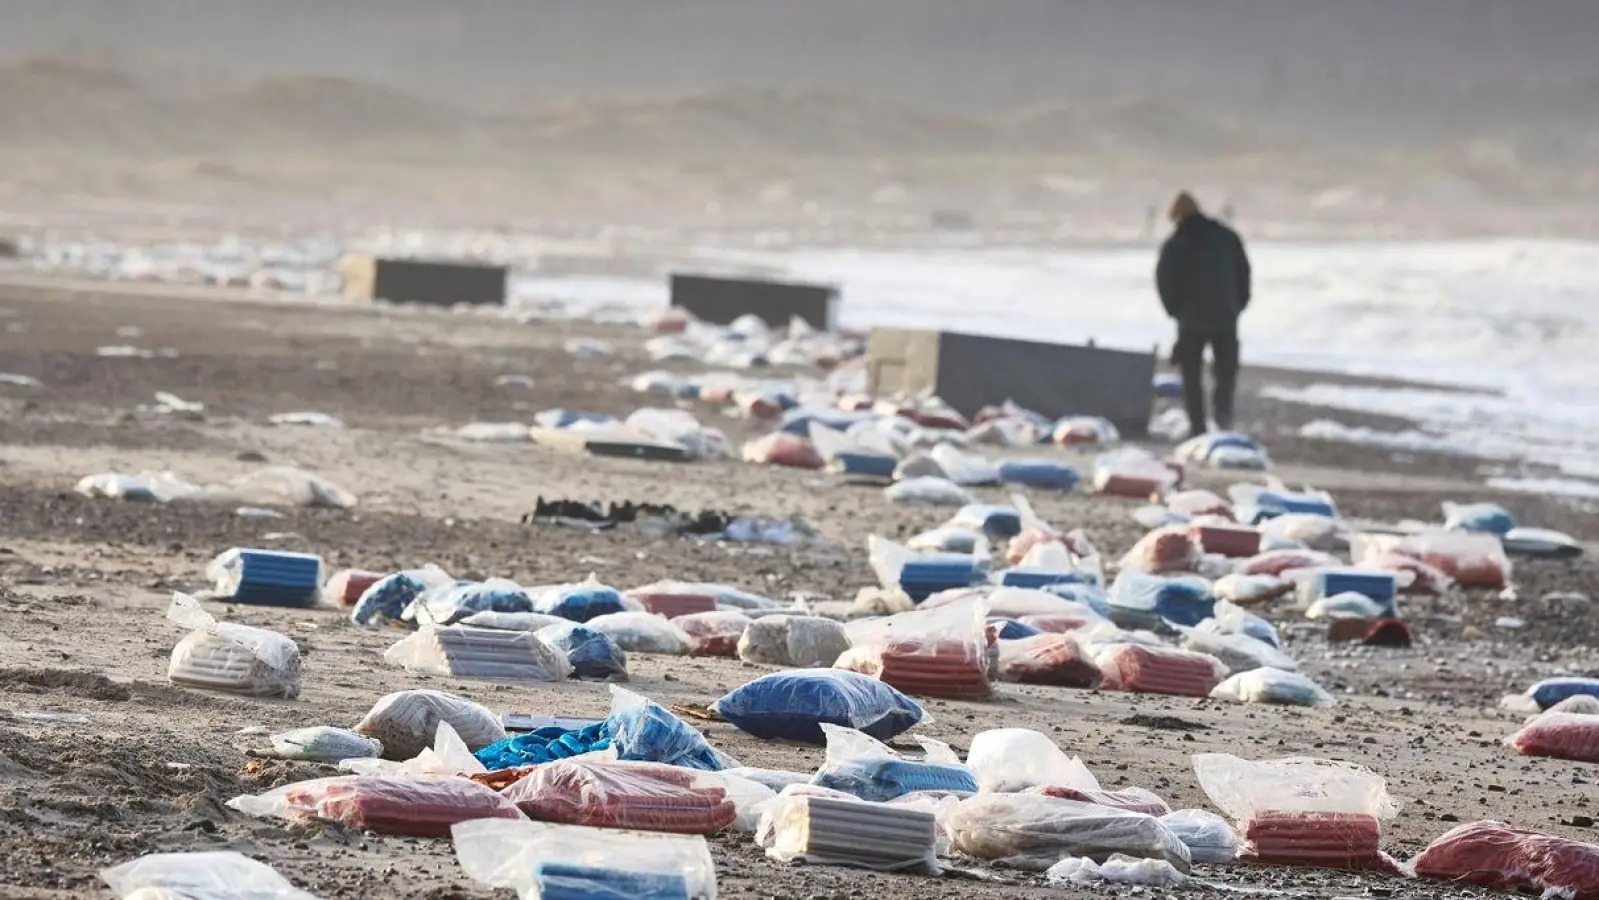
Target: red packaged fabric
1425	580
1139	487
673	604
1057	623
637	796
1320	840
1053	659
421	808
1169	549
1131	799
1560	735
758	406
716	395
1494	855
714	633
1276	562
944	669
347	586
783	449
937	418
1235	541
1472	560
1159	670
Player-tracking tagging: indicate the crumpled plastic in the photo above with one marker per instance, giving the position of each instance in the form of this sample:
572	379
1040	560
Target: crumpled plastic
227	656
864	767
1034	832
212	875
642	730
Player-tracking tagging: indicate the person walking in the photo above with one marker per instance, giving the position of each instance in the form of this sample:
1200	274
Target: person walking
1203	278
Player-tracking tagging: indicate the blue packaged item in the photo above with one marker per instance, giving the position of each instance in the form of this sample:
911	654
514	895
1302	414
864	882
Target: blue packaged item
921	578
269	577
1088	594
1168	386
798	420
569	881
648	732
1288	502
1042	579
1039	473
566	418
449	604
882	780
1383	587
998	522
1011	630
1140	600
1220	439
793	706
387	599
1550	691
543	745
578	602
863	464
593	654
1479	518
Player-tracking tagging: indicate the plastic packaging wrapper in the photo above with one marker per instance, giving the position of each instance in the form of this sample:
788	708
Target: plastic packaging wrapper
1011	629
512	621
864	767
449	604
215	875
1232	619
775	780
921	574
1496	856
1158	670
267	577
1229	541
1011	760
1238	652
511	756
406	721
541	861
1015	603
998	522
1272	686
398	806
783	449
804	642
928	490
836	831
1348	605
1063	623
387	599
1472	560
949	539
647	732
1052	659
1560	735
322	743
1423	579
1138	600
1198	502
1478	518
287	486
714	633
461	652
1249	590
1169	549
635	796
940	652
346	586
1276	562
578	602
1044	474
1132	799
226	656
1542	543
1317	532
674	598
1302	812
147	487
1085	431
594	656
1034	832
1577	704
1209	838
1381	587
1550	691
1118	869
794	705
1133	473
638	632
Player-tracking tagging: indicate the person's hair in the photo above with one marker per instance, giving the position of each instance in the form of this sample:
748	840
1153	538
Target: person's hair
1183	206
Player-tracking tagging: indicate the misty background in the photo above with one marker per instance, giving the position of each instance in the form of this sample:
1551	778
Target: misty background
1362	116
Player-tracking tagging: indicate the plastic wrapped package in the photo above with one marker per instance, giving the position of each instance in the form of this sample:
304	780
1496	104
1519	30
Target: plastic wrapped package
851	832
794	705
1210	840
1011	629
1423	579
921	574
1381	587
1302	812
1560	735
541	861
804	642
1044	474
1348	605
1010	760
1158	670
509	621
1472	560
1134	473
1542	543
405	721
714	633
1130	799
1496	856
1272	686
1118	869
322	743
631	795
639	632
593	654
1229	541
285	485
1171	549
385	602
1034	832
1277	562
1317	532
578	602
967	469
1198	502
1478	518
1251	589
1232	619
950	539
928	490
1138	600
449	604
406	807
226	656
997	522
1052	659
346	586
510	759
1063	622
267	577
1550	691
462	652
940	652
1085	431
1239	652
647	732
214	875
1577	704
864	767
674	598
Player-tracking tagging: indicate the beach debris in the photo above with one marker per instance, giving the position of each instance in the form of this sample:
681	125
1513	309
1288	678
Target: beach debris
214	874
322	743
146	487
405	807
795	641
306	418
794	705
15	380
1499	857
464	652
405	721
540	859
1561	735
642	632
1034	832
1269	685
594	655
266	577
227	656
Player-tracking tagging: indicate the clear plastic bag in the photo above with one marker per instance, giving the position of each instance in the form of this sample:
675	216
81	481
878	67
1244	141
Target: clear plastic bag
449	757
775	780
864	767
1011	760
398	806
1278	562
673	598
322	743
1496	856
799	641
226	656
928	490
1232	619
512	621
1550	691
998	522
714	633
449	604
1314	531
1034	832
965	468
1118	869
1560	735
1272	686
1209	838
950	539
794	705
462	652
1170	549
1085	431
1478	518
632	795
1052	659
1198	502
405	721
1158	670
346	586
266	577
592	653
1348	605
385	602
556	862
644	731
1239	652
639	632
1472	560
578	602
214	875
1139	600
801	826
1302	812
940	652
1133	473
1423	579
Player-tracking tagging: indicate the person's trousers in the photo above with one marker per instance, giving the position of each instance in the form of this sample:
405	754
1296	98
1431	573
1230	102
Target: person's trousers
1189	355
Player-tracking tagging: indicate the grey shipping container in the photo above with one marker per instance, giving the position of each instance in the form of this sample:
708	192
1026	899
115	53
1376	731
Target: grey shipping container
434	282
721	300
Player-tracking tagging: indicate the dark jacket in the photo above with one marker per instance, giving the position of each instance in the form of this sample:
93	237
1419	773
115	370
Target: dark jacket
1203	276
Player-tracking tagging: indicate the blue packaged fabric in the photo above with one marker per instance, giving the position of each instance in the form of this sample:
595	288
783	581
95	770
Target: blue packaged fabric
1039	473
578	602
1479	518
1141	600
1287	502
798	421
1000	522
275	578
543	745
1088	594
451	603
569	881
1010	630
925	576
566	418
1260	629
794	705
1217	441
1168	386
863	464
881	780
1042	579
593	654
645	731
387	599
1550	691
1382	587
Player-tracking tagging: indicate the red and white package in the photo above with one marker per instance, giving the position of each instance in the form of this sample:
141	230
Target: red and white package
1059	623
783	449
943	652
1169	549
1053	659
1198	502
347	585
1425	580
1276	562
638	796
1231	541
1472	560
1133	799
1143	669
674	598
1496	856
1561	735
406	807
715	633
